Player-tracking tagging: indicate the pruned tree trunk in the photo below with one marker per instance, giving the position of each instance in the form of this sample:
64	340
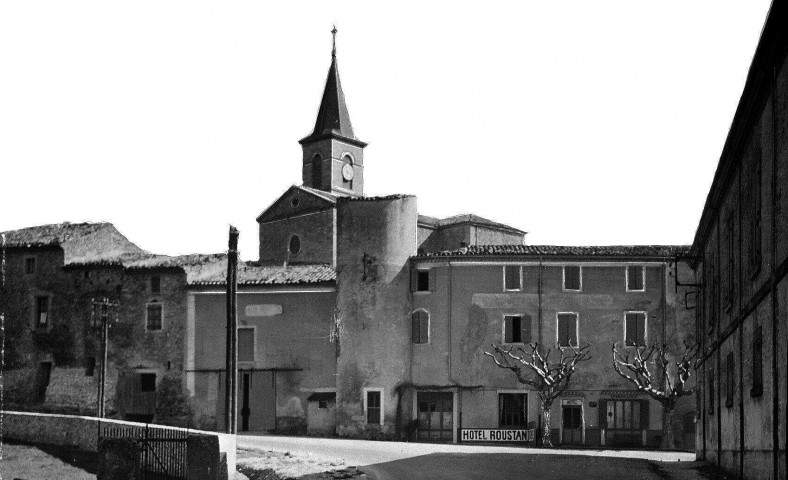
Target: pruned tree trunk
546	442
668	438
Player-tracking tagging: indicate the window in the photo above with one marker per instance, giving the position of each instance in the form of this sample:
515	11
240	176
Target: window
317	167
373	406
567	330
729	380
420	322
757	363
90	366
731	263
754	218
636	278
711	281
635	329
153	316
573	278
516	329
512	278
246	344
322	404
711	391
30	265
155	284
295	245
42	311
512	410
147	382
422	280
626	414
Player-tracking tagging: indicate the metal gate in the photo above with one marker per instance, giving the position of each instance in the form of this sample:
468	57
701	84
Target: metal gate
161	452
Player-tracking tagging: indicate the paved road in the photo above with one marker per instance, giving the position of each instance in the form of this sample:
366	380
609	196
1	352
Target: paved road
399	460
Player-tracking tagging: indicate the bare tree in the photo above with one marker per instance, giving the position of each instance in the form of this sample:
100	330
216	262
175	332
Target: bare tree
665	388
534	369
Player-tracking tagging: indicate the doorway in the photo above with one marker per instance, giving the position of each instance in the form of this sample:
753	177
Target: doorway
435	416
256	401
571	425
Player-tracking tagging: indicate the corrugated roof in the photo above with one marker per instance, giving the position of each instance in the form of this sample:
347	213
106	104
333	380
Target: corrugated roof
566	251
87	242
251	274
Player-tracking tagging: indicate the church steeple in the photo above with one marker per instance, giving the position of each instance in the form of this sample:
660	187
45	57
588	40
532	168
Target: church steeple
333	156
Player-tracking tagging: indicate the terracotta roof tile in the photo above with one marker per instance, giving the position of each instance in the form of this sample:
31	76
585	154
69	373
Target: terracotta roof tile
566	251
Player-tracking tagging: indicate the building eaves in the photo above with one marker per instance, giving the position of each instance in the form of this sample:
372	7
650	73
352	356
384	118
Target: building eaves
606	252
252	274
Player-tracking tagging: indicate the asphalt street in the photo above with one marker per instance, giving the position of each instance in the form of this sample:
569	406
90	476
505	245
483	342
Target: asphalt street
399	460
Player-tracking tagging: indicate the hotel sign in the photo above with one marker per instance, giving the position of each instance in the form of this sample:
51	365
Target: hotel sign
496	435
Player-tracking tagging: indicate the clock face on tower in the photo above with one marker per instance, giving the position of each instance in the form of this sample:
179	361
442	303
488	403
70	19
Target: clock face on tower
348	172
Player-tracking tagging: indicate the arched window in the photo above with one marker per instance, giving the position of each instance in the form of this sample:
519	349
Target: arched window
295	245
420	321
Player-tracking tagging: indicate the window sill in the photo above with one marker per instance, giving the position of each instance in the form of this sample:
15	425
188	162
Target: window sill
510	290
636	291
422	292
571	290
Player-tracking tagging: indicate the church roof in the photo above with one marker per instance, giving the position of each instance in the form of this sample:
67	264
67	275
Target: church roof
333	119
462	219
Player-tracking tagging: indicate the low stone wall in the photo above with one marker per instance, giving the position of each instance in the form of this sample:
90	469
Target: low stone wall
83	432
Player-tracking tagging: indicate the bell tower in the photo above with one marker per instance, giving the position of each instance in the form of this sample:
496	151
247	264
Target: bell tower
333	156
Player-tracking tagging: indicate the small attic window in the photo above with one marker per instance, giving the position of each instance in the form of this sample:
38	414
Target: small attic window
295	245
294	202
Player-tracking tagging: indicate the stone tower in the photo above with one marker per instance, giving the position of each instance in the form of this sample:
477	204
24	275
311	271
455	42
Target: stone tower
333	156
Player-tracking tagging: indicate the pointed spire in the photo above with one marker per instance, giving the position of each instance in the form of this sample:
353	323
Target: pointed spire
333	119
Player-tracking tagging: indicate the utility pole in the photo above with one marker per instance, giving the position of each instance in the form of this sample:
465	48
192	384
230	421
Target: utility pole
231	394
101	308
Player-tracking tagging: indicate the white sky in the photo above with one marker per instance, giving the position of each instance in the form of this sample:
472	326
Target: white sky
581	122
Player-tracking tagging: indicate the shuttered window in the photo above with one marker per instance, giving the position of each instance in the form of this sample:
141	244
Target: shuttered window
635	329
420	326
757	363
512	278
153	316
730	376
42	311
373	407
516	329
635	274
567	330
512	408
246	344
572	278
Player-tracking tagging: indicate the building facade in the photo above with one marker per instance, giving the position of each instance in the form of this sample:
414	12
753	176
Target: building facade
740	257
366	319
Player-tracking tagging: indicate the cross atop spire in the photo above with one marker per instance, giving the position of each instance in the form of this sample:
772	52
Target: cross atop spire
334	42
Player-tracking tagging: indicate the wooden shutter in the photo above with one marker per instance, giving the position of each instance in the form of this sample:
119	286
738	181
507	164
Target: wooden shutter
602	413
507	329
525	329
414	279
424	327
562	333
644	415
415	331
640	333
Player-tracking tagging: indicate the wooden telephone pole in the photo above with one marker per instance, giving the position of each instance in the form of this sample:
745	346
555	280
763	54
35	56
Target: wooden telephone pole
101	308
231	394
